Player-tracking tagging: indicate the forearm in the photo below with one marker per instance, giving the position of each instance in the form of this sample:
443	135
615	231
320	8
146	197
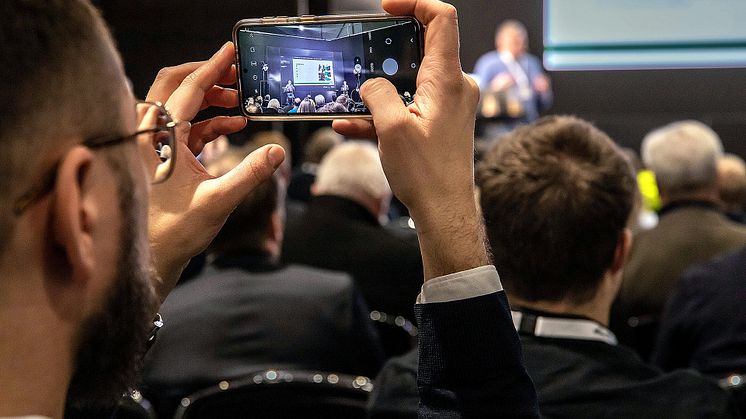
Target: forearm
451	237
458	375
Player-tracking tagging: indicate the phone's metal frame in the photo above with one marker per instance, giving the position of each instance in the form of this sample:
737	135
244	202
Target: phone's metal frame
309	19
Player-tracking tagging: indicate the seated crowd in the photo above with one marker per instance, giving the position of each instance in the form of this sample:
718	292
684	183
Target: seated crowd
591	315
308	104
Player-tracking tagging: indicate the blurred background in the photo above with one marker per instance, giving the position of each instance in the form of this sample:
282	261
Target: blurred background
625	103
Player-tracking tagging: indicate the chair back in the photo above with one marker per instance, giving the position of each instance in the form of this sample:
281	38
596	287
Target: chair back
398	335
281	394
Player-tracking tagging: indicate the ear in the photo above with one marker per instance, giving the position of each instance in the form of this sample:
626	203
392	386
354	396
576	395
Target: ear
71	219
622	251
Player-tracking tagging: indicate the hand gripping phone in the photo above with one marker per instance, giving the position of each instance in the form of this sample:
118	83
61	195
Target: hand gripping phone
312	67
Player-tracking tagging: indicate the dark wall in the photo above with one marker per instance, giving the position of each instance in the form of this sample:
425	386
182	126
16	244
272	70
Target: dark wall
626	104
154	34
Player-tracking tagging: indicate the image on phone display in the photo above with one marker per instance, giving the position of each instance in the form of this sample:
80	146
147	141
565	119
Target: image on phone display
317	68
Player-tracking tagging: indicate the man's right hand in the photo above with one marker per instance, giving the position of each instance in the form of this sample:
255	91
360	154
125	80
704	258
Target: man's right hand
427	148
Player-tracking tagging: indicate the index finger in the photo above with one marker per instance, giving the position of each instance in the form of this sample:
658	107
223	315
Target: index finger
168	79
187	99
441	20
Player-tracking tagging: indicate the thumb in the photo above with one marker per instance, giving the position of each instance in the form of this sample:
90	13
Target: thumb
256	168
384	103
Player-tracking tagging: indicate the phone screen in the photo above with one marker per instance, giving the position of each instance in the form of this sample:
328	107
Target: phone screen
299	69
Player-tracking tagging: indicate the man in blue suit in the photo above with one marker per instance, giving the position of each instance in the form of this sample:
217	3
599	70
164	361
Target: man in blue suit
511	71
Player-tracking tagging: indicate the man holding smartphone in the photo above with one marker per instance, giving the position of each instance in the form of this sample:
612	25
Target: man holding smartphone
78	289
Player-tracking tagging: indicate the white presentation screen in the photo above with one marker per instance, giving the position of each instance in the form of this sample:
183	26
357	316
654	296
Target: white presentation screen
644	34
313	72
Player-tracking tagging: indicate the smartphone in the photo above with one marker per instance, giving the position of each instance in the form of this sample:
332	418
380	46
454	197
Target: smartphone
312	67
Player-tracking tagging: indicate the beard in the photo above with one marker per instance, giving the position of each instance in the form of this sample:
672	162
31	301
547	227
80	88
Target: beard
113	341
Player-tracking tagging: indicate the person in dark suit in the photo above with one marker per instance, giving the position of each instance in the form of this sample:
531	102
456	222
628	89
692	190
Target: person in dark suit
560	262
341	230
704	325
691	228
246	312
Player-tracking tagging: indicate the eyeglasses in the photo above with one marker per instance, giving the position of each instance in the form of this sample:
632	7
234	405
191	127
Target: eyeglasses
159	163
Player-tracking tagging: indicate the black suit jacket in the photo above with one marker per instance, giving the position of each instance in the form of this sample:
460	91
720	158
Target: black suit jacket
704	325
243	315
337	233
470	366
687	233
589	379
573	378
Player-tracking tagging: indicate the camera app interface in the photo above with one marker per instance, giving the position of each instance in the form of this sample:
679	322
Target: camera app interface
301	69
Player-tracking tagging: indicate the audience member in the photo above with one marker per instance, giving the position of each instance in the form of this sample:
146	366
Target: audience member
320	142
691	227
319	101
76	295
732	187
273	106
307	106
246	313
704	325
341	230
296	104
561	262
511	70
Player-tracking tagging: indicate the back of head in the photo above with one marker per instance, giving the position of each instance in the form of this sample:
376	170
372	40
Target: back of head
307	106
353	170
319	100
320	142
683	156
62	79
556	196
246	228
274	104
732	182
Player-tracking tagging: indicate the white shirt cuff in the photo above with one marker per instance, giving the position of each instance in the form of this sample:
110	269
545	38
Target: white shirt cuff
461	285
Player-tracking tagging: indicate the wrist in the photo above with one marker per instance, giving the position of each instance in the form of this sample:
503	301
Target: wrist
451	235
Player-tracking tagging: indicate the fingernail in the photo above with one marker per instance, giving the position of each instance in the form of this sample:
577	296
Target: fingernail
225	45
276	155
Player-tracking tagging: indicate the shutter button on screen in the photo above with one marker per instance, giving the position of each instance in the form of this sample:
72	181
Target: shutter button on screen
390	66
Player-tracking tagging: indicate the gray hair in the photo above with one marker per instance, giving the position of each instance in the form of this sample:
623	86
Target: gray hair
352	169
683	155
319	99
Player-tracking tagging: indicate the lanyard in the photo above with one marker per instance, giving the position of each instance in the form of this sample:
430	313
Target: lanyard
552	327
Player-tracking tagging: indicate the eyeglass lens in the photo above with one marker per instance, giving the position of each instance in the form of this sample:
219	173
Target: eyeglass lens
157	140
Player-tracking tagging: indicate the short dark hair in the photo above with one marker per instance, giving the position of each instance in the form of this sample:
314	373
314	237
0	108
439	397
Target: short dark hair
58	66
246	228
556	197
